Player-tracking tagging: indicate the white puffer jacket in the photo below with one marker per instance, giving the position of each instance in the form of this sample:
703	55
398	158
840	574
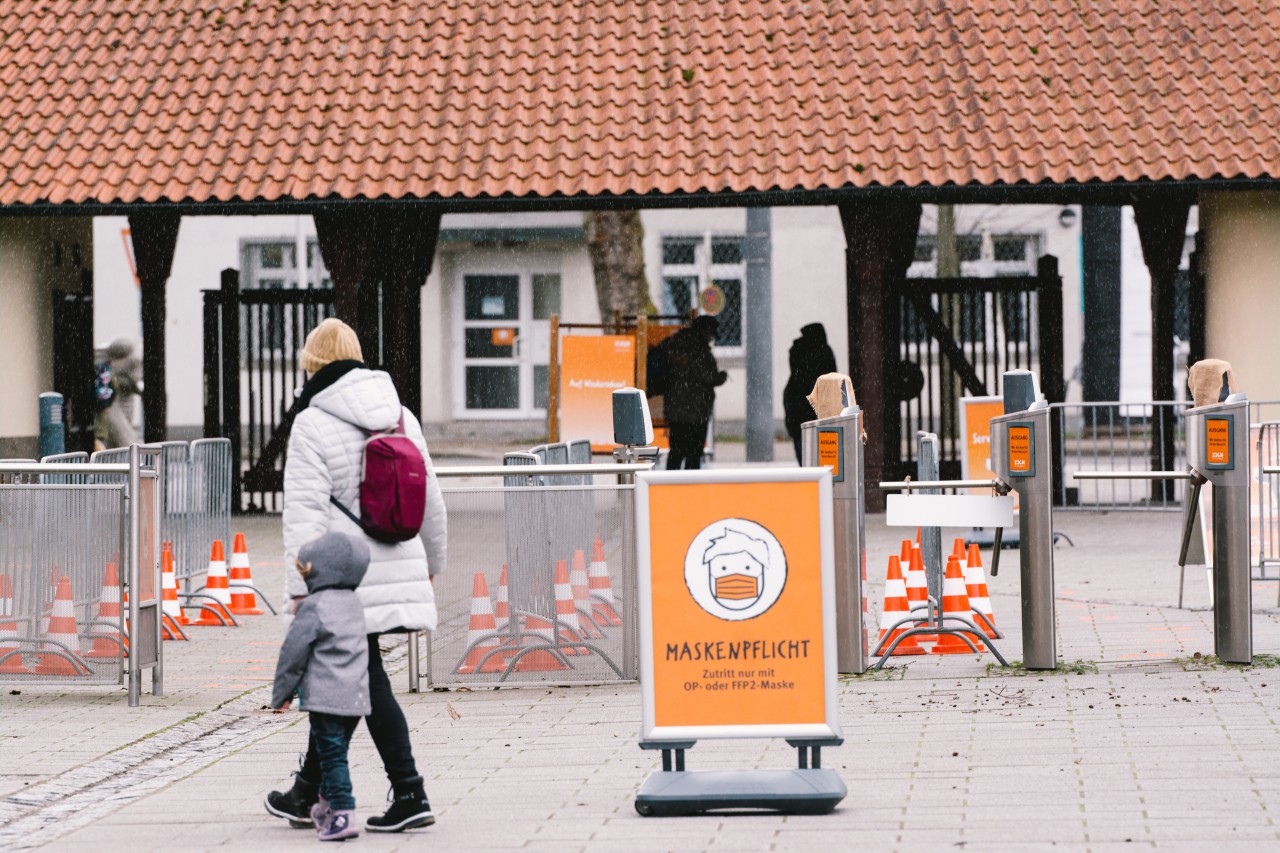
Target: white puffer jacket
325	454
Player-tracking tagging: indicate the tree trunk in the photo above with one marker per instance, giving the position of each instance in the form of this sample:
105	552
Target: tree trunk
615	242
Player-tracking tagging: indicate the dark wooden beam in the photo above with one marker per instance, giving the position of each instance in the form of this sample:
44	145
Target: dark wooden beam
379	259
155	236
1162	230
880	241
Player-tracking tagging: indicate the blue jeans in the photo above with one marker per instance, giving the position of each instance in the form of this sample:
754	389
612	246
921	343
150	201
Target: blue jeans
331	735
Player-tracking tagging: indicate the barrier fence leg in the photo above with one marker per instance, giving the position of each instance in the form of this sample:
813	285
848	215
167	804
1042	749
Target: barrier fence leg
414	672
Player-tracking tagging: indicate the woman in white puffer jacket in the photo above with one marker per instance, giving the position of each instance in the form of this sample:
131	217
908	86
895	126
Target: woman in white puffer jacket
340	404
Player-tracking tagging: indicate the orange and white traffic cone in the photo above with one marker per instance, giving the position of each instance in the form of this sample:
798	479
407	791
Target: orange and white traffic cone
918	591
895	609
566	611
10	651
582	596
537	630
112	644
171	615
482	633
866	610
215	586
502	607
169	592
955	602
904	556
975	582
61	635
601	587
243	600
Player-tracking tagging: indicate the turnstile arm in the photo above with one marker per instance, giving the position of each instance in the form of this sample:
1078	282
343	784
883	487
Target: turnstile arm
1188	529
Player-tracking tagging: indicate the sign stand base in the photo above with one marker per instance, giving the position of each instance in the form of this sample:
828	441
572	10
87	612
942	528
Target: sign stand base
673	792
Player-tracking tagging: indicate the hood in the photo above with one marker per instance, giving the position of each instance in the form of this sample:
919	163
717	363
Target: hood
337	561
366	398
814	333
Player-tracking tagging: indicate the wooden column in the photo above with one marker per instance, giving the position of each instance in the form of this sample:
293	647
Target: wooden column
1162	229
155	235
880	240
379	259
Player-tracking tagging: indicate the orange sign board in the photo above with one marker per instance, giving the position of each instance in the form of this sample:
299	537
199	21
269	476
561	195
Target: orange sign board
737	603
975	450
592	367
829	455
1020	451
1217	442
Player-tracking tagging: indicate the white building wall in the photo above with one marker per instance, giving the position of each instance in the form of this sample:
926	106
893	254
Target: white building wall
31	269
1242	286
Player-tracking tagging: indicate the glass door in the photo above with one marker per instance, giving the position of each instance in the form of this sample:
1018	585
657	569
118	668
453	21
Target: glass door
506	343
491	320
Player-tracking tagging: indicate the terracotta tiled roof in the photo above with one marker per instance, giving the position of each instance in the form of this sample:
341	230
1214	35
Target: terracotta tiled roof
269	99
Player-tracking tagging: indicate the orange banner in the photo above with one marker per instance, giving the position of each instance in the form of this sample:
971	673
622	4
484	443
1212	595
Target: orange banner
592	367
736	584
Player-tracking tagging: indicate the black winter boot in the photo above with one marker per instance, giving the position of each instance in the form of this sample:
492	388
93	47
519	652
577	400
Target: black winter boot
409	809
295	804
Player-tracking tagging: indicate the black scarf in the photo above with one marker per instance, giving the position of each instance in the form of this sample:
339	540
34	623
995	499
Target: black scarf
322	379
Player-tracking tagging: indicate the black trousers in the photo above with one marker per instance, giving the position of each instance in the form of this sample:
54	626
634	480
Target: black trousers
687	441
386	725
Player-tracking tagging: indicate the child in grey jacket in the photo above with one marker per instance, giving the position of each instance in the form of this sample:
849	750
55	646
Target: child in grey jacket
325	659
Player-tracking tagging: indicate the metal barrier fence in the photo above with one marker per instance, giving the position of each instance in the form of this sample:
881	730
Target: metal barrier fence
68	553
208	501
1119	437
568	617
1266	498
1151	436
195	496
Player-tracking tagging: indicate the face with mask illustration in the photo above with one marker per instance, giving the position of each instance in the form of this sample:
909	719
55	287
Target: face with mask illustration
735	563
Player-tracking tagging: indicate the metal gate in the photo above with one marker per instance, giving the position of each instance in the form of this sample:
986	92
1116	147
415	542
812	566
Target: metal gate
956	338
252	339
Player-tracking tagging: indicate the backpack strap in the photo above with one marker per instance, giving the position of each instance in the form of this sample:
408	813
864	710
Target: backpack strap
348	513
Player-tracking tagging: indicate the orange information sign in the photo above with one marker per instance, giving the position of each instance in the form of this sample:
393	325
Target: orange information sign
736	604
592	367
830	454
1217	442
1021	461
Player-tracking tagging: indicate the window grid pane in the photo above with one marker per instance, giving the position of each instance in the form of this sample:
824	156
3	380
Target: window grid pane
726	250
731	317
679	250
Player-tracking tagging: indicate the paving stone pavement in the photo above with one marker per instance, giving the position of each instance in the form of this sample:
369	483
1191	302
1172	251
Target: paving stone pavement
1134	744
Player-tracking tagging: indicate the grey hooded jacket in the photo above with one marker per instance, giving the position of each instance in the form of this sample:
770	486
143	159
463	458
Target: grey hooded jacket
325	655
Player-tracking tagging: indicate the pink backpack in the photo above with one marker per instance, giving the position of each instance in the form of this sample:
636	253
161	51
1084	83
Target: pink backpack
393	486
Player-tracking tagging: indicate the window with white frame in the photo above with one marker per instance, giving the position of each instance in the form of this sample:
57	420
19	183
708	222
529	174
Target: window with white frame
272	264
692	263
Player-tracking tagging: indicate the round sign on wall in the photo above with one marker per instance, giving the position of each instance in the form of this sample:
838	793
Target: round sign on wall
711	300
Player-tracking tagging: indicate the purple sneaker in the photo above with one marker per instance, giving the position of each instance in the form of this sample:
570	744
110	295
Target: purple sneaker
321	814
339	826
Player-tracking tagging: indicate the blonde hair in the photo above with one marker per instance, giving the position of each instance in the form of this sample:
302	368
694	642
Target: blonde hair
332	340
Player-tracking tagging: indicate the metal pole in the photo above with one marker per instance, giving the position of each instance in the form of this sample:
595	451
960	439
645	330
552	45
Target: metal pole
759	334
1035	551
132	507
414	671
